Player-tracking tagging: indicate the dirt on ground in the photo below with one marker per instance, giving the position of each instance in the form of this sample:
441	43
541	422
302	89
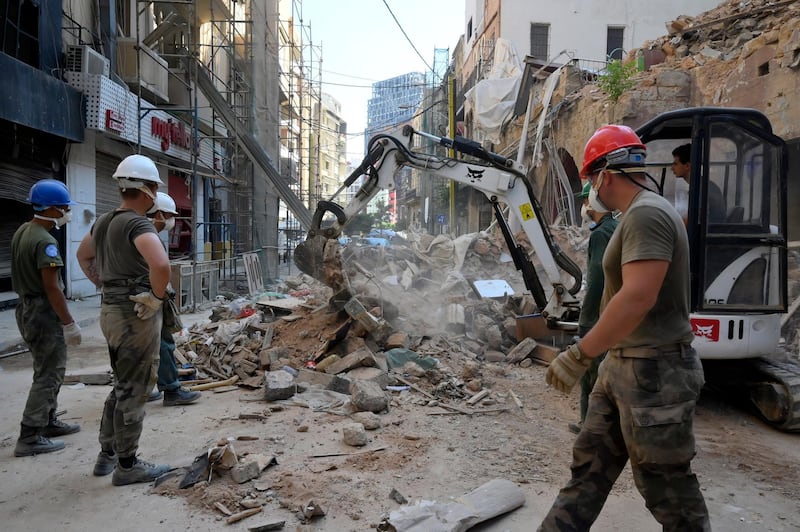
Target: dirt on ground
747	470
431	445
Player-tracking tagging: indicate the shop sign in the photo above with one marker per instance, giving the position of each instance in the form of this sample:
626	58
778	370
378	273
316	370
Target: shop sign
115	121
170	132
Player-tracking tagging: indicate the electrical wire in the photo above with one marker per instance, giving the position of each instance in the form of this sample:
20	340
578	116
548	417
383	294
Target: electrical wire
407	37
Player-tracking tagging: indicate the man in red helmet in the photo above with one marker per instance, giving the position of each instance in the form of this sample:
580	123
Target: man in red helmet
642	406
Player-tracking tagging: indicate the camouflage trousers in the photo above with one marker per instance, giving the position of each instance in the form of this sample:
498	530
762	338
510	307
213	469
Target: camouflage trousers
641	409
587	384
133	349
41	329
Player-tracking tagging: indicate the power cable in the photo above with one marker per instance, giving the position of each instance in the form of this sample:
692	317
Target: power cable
407	37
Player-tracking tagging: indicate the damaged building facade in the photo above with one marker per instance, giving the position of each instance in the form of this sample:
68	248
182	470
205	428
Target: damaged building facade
194	86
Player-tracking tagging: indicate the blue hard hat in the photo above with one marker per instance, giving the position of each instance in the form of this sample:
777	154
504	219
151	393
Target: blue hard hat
49	193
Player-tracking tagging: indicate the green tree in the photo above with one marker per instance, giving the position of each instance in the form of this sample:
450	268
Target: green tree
617	79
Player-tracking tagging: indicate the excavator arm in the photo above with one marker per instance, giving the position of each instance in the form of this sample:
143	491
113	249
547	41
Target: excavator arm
500	179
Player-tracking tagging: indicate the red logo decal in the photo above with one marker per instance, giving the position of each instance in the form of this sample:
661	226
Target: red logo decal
708	329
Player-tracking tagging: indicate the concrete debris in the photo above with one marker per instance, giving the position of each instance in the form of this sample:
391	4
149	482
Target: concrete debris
369	420
368	396
489	500
354	435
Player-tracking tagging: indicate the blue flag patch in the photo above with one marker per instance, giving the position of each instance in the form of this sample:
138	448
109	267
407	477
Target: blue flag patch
51	250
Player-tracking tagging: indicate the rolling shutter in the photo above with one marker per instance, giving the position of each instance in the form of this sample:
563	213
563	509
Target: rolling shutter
106	189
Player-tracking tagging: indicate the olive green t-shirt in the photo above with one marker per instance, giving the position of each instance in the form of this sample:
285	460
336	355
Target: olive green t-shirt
33	248
118	260
652	229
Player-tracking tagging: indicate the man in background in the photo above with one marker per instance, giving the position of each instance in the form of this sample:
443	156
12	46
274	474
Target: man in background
682	167
601	227
163	216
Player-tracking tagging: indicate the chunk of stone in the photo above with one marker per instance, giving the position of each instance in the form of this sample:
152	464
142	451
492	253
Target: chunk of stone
355	435
370	420
367	396
278	385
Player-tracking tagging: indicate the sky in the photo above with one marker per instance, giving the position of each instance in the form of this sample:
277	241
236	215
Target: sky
361	44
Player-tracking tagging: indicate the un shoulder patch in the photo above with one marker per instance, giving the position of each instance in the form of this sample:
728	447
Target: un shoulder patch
51	250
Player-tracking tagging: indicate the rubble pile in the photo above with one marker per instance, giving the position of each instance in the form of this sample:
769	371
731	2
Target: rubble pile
724	37
413	302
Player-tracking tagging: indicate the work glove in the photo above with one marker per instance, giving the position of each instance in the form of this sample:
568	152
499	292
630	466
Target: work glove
567	368
72	333
147	305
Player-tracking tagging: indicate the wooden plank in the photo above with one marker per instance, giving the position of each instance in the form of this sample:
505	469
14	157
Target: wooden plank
477	397
366	451
211	385
243	515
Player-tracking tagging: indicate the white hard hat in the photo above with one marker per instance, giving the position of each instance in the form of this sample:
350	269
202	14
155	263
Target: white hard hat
135	168
164	203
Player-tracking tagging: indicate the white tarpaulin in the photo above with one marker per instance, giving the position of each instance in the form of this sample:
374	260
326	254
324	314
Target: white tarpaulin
491	100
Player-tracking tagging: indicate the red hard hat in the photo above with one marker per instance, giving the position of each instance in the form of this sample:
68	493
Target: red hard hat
606	140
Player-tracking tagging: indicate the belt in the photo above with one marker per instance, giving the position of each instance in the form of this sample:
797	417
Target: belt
650	352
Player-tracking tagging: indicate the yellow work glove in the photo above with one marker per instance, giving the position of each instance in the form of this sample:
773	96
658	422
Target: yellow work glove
147	305
567	368
72	333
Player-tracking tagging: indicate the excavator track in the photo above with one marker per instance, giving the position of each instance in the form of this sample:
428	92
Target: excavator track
773	386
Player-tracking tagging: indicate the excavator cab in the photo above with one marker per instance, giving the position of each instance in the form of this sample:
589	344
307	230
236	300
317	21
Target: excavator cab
736	220
735	211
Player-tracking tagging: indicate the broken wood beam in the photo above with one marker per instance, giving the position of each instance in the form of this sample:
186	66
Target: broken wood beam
211	385
477	397
243	515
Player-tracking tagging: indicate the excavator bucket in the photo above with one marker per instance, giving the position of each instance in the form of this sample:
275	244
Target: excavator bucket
321	258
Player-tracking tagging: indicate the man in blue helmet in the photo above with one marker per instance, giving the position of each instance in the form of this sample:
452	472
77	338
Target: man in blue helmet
42	315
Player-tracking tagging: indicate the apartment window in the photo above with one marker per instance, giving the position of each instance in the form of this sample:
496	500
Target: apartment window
19	30
540	41
614	38
469	29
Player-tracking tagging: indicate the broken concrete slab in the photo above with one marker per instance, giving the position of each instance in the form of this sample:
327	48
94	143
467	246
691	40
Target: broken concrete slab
521	351
368	396
334	383
376	375
362	357
489	500
278	385
251	466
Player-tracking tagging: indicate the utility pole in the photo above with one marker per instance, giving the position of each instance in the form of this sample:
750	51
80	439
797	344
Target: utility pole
451	116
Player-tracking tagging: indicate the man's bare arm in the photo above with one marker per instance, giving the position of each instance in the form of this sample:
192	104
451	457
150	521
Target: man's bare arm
54	294
86	260
641	283
152	250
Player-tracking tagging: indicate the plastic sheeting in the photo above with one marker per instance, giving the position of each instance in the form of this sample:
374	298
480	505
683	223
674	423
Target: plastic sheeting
491	100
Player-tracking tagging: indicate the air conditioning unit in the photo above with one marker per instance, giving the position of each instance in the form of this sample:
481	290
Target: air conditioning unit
86	60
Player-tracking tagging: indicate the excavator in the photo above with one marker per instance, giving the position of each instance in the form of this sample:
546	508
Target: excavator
738	260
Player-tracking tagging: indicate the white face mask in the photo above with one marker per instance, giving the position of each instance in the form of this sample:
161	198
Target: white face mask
595	203
64	219
585	215
169	224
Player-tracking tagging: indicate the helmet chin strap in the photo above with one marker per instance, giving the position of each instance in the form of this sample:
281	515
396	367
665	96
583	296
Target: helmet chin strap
637	169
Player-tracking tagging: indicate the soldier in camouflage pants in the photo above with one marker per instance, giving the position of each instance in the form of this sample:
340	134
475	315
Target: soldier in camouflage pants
640	409
42	332
132	345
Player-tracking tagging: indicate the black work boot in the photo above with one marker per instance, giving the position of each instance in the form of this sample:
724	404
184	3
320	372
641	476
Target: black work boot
181	396
56	427
31	442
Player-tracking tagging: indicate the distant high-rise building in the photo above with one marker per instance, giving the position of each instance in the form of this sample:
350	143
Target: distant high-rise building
394	101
